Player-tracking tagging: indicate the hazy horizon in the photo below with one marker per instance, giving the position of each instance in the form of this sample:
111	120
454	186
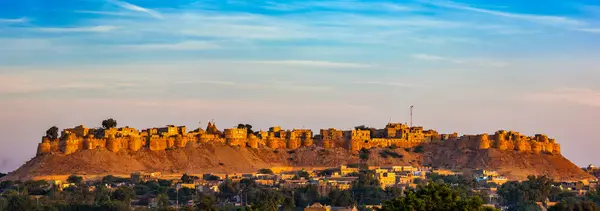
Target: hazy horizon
469	66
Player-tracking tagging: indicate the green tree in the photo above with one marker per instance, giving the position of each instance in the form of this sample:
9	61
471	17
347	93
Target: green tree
572	204
288	203
362	127
207	203
109	179
268	200
3	203
75	179
52	132
186	179
113	206
517	194
109	123
228	189
141	190
124	194
162	201
433	196
306	196
37	187
367	189
102	195
302	174
392	192
165	183
265	171
18	202
248	128
363	155
341	198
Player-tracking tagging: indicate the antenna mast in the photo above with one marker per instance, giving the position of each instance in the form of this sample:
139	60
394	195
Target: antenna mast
411	116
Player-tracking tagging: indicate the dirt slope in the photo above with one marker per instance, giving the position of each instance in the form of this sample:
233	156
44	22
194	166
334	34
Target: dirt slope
206	158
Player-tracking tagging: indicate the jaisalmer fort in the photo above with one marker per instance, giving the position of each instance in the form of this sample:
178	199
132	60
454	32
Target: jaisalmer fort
130	139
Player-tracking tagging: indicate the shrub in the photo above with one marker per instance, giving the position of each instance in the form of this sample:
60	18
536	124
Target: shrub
265	171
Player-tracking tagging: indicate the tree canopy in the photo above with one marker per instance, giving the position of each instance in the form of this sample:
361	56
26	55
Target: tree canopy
302	174
519	194
75	179
124	194
433	196
109	123
188	179
572	204
362	127
265	171
248	127
207	203
52	133
363	155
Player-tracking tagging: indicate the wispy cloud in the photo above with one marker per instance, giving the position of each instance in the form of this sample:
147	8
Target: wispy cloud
428	57
474	62
309	63
18	20
215	82
542	19
298	87
581	96
98	29
126	14
340	5
181	46
137	8
589	30
25	83
385	83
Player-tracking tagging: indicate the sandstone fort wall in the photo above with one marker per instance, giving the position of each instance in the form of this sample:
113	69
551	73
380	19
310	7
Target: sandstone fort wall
157	139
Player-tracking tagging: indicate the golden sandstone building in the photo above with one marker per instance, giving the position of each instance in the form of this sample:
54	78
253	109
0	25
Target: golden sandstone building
394	134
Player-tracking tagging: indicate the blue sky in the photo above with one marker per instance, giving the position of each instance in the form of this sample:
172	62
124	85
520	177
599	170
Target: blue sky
468	66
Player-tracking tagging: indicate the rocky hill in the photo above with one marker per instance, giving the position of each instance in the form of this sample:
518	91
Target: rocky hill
221	158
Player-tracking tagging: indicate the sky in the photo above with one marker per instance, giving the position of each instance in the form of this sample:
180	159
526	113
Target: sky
469	66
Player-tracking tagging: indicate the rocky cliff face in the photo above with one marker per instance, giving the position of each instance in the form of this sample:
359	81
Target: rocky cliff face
219	157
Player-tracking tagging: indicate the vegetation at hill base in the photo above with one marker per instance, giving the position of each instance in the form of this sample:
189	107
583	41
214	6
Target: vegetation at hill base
536	191
121	194
434	196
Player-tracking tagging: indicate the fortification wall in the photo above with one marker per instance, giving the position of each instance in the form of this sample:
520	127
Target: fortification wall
276	143
307	142
157	144
293	143
44	147
523	146
328	143
71	146
253	142
236	142
135	144
353	140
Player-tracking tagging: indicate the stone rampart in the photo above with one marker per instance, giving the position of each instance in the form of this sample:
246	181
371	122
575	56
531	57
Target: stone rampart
353	140
293	143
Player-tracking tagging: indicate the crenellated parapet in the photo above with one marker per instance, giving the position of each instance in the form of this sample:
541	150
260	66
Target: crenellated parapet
509	140
128	139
